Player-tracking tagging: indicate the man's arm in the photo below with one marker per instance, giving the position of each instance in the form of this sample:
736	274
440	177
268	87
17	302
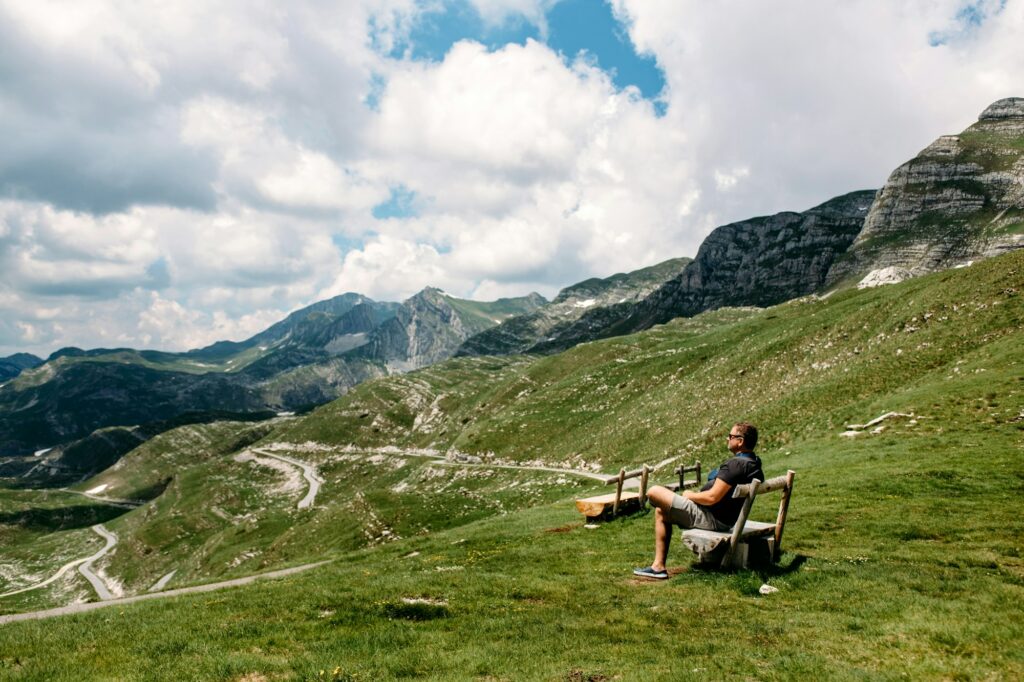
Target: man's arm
709	497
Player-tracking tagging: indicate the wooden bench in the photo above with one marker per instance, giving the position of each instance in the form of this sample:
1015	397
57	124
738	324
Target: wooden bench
741	546
619	502
624	502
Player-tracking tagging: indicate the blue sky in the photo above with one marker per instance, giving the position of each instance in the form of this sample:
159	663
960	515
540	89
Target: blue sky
969	18
572	27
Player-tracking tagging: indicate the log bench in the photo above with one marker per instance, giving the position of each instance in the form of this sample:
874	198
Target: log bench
749	542
625	502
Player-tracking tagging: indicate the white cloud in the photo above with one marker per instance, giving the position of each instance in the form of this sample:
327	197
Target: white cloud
514	113
168	324
391	269
526	166
259	162
818	98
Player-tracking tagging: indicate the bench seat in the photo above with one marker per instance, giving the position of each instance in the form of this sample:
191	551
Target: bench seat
710	546
601	505
751	529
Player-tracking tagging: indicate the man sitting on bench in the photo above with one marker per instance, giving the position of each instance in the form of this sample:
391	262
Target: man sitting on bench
713	508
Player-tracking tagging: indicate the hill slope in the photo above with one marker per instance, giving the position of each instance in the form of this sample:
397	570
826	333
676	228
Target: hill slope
893	535
14	365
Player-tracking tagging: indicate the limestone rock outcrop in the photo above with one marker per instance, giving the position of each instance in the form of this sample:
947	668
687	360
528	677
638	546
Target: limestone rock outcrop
430	327
961	199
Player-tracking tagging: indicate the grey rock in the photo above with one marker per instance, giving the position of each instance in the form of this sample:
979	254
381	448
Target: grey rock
760	262
961	199
544	326
431	326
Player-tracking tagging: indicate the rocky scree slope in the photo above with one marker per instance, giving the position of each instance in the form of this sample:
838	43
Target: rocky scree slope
521	334
960	199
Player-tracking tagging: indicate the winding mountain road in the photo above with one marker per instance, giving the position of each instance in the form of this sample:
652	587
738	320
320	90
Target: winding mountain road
102	591
309	472
85	568
446	461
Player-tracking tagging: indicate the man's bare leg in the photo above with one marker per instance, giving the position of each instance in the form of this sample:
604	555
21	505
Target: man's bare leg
661	500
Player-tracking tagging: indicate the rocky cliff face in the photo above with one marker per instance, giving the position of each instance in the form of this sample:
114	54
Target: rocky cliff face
960	199
430	327
520	334
761	262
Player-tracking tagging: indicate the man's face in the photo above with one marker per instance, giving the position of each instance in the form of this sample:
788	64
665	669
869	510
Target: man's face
735	440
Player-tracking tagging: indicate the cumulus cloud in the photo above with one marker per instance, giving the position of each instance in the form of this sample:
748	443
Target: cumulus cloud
528	167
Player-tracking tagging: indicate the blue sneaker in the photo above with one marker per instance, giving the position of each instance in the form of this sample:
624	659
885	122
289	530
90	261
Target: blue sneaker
649	572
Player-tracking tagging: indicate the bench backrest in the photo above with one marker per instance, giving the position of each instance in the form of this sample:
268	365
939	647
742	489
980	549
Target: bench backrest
751	490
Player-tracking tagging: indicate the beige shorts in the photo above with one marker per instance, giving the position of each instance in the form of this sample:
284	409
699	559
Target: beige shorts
688	514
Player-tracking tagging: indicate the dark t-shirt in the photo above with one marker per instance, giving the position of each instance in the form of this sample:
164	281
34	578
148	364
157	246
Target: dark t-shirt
739	470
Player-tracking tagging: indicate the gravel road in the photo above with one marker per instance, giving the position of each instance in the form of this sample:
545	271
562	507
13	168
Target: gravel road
91	606
102	591
308	471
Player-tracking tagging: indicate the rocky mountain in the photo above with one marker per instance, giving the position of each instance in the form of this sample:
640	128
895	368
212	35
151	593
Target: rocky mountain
961	199
14	365
79	397
756	262
334	325
431	326
522	333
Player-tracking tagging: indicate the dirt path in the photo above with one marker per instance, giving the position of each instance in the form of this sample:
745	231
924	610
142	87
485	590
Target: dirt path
445	460
102	591
308	471
91	606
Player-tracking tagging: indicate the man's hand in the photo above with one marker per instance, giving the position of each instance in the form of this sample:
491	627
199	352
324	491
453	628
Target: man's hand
709	497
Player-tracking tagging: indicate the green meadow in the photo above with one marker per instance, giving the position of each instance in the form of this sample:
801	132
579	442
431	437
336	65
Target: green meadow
901	558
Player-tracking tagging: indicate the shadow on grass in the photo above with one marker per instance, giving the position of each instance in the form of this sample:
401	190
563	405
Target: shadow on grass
776	570
765	571
62	518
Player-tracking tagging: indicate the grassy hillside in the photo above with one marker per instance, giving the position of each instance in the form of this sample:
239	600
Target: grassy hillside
903	554
808	366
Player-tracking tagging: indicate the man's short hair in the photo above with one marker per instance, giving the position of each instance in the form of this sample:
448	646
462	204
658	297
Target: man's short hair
749	433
